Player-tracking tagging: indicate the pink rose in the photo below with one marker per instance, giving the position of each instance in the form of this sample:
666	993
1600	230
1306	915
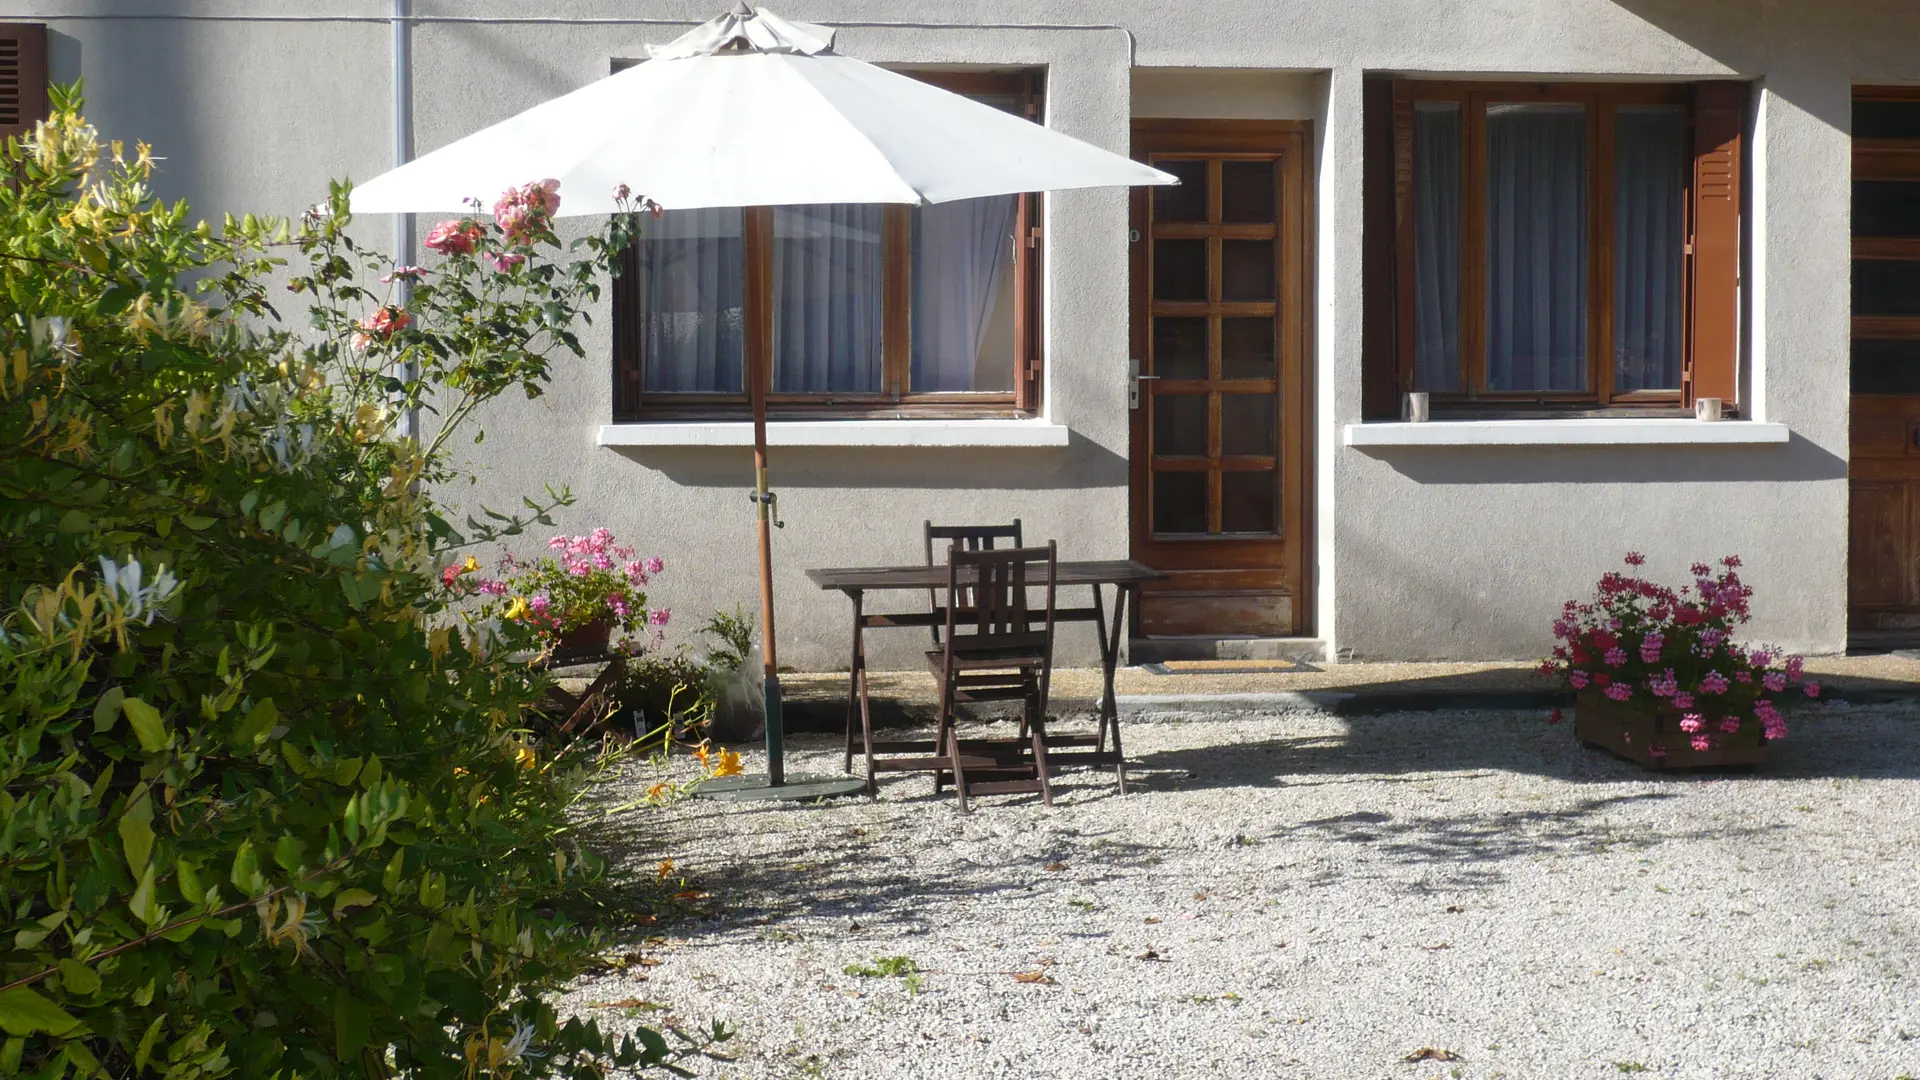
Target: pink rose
453	237
504	263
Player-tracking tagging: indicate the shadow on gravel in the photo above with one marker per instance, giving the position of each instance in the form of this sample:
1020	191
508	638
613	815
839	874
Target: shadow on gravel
1856	742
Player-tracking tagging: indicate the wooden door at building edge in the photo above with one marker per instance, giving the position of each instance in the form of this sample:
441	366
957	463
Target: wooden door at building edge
1883	571
1219	384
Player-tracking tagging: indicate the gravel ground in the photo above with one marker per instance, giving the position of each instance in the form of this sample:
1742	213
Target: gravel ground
1304	896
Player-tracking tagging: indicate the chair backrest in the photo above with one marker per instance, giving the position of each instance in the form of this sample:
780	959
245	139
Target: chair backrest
967	538
987	604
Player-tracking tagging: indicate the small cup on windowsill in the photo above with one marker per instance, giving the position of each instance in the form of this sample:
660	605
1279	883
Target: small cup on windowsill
1709	409
1414	408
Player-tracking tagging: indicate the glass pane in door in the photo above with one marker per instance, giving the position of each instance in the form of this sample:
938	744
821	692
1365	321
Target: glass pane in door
1180	346
1250	502
1246	192
1180	271
1246	348
1180	502
1180	425
1185	201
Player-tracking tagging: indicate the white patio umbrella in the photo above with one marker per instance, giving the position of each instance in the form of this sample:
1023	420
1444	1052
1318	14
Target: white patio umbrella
751	110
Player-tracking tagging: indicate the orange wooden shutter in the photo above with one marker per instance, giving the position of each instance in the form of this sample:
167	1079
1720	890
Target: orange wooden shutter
1713	279
23	77
1027	348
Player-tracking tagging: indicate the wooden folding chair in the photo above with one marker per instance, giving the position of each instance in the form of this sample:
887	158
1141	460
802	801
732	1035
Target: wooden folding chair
966	538
997	648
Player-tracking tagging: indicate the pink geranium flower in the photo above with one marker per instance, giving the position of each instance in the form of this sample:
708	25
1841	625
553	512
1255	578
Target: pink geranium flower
1702	742
1619	691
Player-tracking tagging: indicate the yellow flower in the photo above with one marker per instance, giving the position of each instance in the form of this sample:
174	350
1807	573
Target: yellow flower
657	791
703	752
666	867
517	609
526	757
729	764
472	564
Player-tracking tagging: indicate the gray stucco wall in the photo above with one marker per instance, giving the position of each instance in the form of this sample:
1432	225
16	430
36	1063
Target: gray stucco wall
1421	552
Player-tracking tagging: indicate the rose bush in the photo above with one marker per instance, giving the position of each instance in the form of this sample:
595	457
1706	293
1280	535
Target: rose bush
1676	649
266	804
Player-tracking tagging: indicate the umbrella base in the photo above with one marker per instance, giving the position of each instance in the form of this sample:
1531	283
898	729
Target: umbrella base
755	788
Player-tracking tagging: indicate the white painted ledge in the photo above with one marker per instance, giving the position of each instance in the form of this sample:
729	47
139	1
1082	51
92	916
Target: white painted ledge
945	433
1626	431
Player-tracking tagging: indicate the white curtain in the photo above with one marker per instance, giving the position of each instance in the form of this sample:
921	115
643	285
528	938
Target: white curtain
691	314
1536	247
962	258
1436	246
1650	178
827	299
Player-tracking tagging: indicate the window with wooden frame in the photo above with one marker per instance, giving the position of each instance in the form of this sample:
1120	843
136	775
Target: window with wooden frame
878	311
1552	248
23	77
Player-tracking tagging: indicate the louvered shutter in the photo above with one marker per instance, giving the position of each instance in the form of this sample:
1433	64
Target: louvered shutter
23	77
1027	342
1713	279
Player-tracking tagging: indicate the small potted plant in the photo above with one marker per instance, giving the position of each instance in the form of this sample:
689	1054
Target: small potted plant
1659	678
570	602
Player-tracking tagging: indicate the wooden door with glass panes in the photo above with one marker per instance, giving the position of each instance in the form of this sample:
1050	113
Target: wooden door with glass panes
1883	571
1218	387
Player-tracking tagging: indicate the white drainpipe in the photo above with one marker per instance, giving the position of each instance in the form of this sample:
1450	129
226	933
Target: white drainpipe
403	249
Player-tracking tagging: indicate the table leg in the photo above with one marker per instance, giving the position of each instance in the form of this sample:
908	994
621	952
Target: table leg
853	679
1109	702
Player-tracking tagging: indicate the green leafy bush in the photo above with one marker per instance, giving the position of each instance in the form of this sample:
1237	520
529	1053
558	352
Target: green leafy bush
265	805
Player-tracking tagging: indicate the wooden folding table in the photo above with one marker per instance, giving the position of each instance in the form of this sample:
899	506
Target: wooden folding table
1123	576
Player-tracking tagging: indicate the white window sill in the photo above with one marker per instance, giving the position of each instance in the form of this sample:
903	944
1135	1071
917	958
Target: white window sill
898	433
1626	431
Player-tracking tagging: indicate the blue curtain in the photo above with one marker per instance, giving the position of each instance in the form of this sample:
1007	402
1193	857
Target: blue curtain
827	299
1536	247
691	306
1436	246
1650	180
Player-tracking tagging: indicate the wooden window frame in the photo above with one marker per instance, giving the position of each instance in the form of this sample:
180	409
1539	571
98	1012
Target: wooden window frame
896	398
1716	118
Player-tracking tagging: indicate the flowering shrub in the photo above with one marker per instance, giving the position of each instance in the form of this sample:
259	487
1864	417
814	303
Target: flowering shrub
586	579
1675	650
266	805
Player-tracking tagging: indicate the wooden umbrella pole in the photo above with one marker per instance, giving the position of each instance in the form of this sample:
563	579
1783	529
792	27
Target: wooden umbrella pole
758	302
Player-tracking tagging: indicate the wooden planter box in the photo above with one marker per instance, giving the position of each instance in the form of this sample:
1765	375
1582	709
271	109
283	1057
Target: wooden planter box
1631	729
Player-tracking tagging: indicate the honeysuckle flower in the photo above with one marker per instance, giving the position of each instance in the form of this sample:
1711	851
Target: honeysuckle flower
137	598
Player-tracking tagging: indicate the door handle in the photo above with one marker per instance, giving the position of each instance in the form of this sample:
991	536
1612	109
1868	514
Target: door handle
1133	385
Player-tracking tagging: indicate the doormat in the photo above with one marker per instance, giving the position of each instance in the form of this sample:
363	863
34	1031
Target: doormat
1227	667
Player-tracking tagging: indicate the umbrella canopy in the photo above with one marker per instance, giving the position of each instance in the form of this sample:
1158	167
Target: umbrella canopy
753	110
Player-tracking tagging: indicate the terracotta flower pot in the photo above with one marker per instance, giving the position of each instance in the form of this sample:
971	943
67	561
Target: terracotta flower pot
587	639
1641	732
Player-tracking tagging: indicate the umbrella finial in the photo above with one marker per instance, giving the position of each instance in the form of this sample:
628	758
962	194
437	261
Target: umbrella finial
741	10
